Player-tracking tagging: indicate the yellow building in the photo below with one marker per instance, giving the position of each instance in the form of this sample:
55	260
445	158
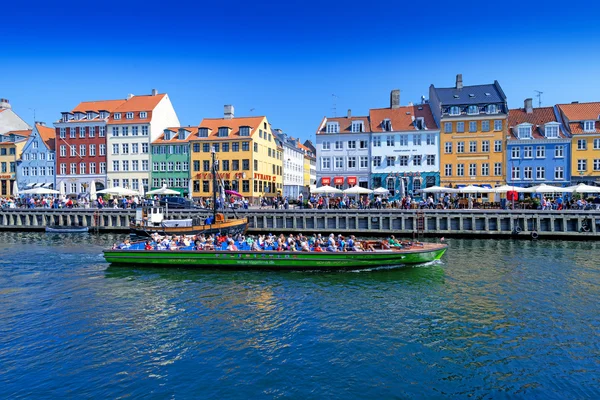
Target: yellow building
582	121
310	165
473	131
11	147
249	159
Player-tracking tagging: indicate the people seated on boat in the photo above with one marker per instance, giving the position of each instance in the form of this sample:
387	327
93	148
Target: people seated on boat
341	243
305	247
331	246
255	247
318	248
385	245
209	220
173	245
351	244
231	245
393	242
148	245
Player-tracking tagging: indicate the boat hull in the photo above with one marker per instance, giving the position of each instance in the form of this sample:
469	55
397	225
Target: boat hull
274	259
67	229
233	227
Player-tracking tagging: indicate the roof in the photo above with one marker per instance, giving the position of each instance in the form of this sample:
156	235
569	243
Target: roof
539	116
401	117
23	132
213	124
134	104
175	139
476	94
101	105
47	134
575	113
345	124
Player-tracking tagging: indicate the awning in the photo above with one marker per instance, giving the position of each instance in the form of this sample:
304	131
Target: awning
460	186
351	180
486	186
325	181
338	180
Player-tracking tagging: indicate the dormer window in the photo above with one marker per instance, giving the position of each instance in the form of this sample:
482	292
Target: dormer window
420	123
103	114
129	115
167	135
66	117
203	132
143	115
551	131
183	134
78	116
223	131
492	109
333	127
524	131
117	115
386	125
244	131
454	110
357	126
90	115
473	110
589	126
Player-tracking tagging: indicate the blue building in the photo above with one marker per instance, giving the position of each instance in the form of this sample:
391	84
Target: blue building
538	149
36	167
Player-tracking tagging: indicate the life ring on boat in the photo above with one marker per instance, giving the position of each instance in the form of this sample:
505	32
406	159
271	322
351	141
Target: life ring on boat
518	229
534	235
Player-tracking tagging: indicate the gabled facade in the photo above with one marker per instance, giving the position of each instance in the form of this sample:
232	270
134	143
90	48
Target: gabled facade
36	166
309	169
582	122
404	148
9	120
249	159
11	147
171	159
293	165
473	126
343	151
537	150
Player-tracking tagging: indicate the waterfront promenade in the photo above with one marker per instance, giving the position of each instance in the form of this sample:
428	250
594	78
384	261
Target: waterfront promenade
576	224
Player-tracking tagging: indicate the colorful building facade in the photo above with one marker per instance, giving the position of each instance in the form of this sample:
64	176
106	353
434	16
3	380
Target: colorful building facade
11	147
36	166
249	160
171	159
473	125
293	165
9	120
538	150
582	122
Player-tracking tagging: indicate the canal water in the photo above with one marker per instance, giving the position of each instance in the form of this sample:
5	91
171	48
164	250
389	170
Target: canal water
493	319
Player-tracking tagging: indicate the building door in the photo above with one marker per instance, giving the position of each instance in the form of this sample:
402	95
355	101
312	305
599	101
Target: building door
4	187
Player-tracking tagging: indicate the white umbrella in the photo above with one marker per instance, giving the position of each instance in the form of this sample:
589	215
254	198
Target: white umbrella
92	190
190	189
163	190
508	188
474	189
439	189
402	188
118	191
40	190
62	189
381	190
141	190
326	189
583	188
358	190
543	188
15	191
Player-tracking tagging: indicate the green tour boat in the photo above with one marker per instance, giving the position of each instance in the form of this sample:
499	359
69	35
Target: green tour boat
416	253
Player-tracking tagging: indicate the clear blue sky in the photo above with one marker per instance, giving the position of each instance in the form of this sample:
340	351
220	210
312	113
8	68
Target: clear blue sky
285	59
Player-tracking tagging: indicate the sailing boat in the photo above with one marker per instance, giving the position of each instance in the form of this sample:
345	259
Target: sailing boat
153	219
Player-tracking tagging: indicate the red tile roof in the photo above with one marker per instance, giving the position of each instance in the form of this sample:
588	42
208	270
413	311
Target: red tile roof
345	124
576	128
401	117
47	134
24	132
539	116
175	139
101	105
581	111
135	104
213	124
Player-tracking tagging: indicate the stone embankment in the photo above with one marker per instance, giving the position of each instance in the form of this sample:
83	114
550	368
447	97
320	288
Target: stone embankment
475	223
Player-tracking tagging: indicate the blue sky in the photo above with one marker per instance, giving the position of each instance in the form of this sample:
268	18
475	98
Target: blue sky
285	59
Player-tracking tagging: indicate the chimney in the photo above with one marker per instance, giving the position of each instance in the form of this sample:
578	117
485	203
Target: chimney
349	113
528	106
154	92
129	96
395	98
4	104
228	113
42	123
459	84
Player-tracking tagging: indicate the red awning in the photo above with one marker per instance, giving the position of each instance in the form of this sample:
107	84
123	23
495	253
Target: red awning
325	181
338	180
351	180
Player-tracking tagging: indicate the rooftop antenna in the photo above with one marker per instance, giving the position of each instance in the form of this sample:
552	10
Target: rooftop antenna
539	96
252	110
334	108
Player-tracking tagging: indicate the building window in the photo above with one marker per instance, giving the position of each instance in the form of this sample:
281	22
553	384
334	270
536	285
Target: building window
143	115
460	147
63	150
498	125
115	131
460	127
116	165
389	140
485	169
403	140
102	167
582	165
82	132
485	146
559	173
416	160
390	161
497	169
102	149
390	185
125	131
223	132
430	159
473	126
497	146
82	150
473	146
333	127
589	126
129	115
117	115
528	173
460	170
430	139
540	173
472	169
115	148
492	109
92	131
540	152
351	144
448	147
155	166
144	130
376	141
448	169
473	110
63	133
551	131
364	162
134	131
454	110
357	126
339	145
339	163
326	163
73	168
82	168
73	151
246	165
363	144
524	132
447	127
324	145
73	188
596	164
403	161
559	151
386	125
416	140
516	173
485	126
102	131
515	153
377	161
352	162
527	152
581	144
63	169
92	150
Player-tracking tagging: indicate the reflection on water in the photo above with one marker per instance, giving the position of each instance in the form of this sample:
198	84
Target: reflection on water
492	319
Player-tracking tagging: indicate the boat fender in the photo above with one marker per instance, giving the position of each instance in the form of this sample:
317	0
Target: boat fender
585	227
517	229
534	235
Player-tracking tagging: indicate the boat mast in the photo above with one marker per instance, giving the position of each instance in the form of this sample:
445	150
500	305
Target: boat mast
214	172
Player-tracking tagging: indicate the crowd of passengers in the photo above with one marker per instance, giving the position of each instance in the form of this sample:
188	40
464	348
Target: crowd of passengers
299	242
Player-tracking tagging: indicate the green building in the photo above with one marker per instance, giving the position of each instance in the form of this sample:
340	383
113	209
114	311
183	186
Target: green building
171	159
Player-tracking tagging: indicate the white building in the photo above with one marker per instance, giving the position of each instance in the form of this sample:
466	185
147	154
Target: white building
9	120
343	152
404	148
293	165
131	129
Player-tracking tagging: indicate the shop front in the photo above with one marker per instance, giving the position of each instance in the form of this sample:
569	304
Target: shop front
402	184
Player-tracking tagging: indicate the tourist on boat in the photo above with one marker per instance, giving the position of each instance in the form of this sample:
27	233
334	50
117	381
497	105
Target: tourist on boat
318	248
341	243
393	242
231	245
351	245
148	245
